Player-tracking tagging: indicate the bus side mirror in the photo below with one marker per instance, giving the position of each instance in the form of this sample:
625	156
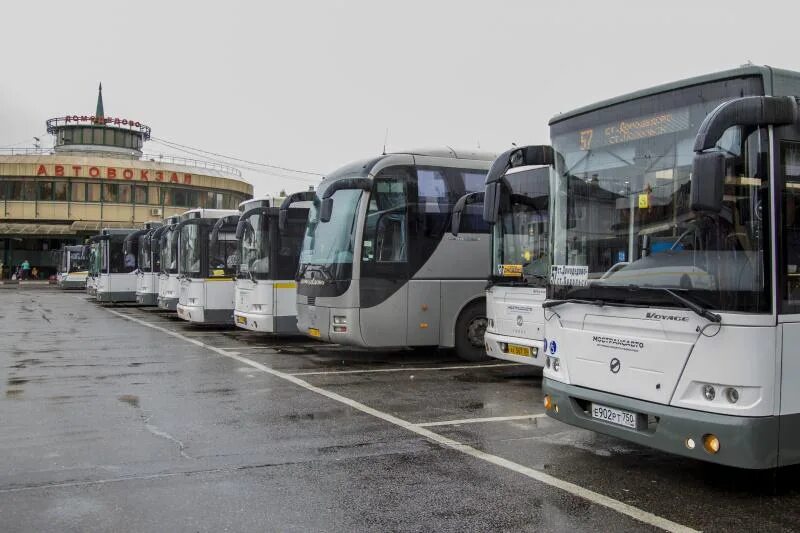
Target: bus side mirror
240	229
326	210
283	219
491	202
708	178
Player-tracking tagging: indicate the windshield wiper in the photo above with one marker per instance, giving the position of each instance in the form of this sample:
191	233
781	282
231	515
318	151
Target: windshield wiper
693	306
552	303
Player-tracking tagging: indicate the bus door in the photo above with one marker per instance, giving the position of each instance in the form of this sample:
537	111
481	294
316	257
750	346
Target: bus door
384	261
787	185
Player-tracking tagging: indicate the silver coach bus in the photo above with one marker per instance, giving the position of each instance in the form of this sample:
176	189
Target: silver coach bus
379	268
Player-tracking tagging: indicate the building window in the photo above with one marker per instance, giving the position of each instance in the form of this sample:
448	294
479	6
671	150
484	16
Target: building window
110	192
140	194
179	198
154	195
45	191
167	197
24	191
94	192
77	192
60	191
125	194
4	190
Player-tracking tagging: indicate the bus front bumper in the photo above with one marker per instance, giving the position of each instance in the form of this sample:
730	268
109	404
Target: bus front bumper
266	322
494	349
147	298
745	442
170	304
115	297
201	315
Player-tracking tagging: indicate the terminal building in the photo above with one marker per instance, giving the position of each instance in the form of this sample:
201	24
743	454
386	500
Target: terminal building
97	176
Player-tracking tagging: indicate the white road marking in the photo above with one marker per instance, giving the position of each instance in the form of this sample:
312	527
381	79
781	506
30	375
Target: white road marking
572	488
399	369
479	420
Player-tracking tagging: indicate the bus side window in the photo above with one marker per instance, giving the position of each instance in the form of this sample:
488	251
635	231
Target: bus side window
790	165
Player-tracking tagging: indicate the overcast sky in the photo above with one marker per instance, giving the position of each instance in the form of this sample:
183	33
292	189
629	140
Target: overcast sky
313	85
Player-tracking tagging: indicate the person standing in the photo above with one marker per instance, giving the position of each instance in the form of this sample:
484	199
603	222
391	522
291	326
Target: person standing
26	269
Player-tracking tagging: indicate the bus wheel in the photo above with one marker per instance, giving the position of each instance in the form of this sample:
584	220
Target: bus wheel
470	328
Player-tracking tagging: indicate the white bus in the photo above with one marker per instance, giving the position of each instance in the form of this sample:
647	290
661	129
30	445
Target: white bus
73	267
269	247
379	267
147	263
116	281
518	212
206	265
673	311
168	273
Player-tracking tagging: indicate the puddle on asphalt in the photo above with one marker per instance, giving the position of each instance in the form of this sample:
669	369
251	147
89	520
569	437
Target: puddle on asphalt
130	399
14	393
17	381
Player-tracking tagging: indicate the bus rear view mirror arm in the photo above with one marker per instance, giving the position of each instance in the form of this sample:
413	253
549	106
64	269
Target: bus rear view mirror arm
745	111
458	209
283	213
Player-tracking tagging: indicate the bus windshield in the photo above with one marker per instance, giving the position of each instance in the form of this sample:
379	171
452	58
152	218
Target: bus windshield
144	253
190	250
77	261
330	244
169	259
520	235
621	204
254	247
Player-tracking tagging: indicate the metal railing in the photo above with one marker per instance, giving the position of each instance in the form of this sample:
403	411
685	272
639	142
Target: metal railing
155	158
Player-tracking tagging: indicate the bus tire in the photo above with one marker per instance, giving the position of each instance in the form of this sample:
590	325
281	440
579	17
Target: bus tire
470	328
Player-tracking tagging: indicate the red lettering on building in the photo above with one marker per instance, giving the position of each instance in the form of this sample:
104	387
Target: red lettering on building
143	175
187	179
41	171
94	172
159	176
124	121
173	178
59	170
116	122
127	174
76	169
111	173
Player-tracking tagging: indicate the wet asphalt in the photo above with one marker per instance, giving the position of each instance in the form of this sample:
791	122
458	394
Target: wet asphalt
111	425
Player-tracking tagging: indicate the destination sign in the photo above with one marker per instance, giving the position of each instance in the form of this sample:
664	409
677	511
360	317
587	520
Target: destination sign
634	129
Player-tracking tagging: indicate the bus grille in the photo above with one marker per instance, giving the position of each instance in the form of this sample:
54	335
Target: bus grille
311	300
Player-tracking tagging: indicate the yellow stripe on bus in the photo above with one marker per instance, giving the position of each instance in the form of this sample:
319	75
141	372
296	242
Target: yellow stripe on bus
219	279
288	285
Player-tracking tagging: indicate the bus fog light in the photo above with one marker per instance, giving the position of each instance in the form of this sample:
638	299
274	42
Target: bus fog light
709	393
340	329
491	323
339	319
711	443
732	394
503	346
548	402
556	364
547	362
690	443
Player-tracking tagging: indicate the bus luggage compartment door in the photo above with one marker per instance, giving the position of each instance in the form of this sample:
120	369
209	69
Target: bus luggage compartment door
424	312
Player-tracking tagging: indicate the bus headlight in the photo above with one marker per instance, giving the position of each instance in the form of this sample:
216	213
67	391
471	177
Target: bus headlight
491	323
732	394
339	320
556	364
709	393
256	307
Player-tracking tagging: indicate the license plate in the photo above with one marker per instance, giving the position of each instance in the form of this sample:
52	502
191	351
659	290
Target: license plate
241	320
516	349
614	416
314	332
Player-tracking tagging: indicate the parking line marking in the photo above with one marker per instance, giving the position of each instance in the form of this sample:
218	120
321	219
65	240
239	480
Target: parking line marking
547	479
479	420
400	369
